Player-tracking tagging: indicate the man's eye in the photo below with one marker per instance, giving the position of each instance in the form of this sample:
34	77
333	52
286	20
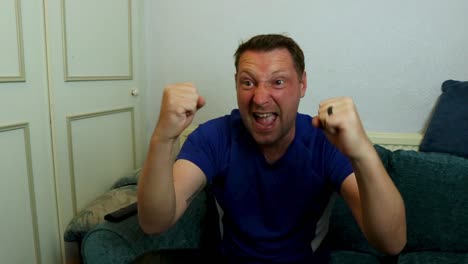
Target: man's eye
247	83
279	82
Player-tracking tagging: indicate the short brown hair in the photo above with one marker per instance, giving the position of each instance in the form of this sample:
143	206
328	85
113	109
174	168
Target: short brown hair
269	42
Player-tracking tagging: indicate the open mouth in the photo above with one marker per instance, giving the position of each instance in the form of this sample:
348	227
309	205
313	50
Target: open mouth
265	120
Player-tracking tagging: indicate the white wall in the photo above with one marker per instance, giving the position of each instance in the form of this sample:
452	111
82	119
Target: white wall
390	56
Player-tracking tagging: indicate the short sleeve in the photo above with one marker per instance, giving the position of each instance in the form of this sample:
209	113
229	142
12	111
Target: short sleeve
206	147
337	165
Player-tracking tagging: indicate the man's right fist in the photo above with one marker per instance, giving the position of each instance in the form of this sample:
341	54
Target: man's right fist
179	103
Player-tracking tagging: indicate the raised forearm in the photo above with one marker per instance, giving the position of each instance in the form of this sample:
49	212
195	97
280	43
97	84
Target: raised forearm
156	195
374	199
156	192
383	210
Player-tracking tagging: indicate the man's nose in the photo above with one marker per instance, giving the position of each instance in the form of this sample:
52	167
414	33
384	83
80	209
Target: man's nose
261	94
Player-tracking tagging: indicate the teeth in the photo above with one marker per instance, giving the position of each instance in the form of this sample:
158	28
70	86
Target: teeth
263	115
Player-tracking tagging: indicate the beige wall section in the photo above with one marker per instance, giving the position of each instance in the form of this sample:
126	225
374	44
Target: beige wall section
394	141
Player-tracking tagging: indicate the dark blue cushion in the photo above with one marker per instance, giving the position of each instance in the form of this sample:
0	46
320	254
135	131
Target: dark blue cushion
447	131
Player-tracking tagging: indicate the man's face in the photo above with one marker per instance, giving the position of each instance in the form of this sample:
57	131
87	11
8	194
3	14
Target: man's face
268	94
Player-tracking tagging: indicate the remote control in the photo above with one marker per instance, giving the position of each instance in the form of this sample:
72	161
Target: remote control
122	213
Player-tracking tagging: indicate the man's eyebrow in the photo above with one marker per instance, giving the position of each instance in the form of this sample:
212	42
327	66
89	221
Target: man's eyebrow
252	74
246	72
280	72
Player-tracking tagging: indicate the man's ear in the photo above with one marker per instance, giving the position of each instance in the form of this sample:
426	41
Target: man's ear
303	84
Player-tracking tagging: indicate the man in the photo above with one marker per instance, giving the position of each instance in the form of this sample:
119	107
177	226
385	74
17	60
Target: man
272	170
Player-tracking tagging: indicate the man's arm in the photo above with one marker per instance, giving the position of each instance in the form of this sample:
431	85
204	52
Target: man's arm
370	193
377	207
165	187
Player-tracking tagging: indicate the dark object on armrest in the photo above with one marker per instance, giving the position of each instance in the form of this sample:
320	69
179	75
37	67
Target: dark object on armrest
122	213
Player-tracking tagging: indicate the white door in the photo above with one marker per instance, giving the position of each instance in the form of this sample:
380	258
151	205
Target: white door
29	230
94	53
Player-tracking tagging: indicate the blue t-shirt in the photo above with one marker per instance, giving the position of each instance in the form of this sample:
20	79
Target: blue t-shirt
270	211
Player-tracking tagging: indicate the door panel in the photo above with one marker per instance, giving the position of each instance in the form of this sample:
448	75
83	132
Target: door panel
100	149
97	39
96	119
70	118
17	197
29	232
12	62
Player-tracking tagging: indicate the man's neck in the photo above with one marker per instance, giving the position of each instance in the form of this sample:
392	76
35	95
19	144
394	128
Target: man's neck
274	152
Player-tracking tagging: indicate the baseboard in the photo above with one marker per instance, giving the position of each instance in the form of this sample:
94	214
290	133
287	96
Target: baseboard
394	141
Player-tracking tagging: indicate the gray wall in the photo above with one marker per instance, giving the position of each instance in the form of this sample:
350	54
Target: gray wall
390	56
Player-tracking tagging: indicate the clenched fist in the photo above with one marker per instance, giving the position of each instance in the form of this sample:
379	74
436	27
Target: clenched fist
340	121
179	103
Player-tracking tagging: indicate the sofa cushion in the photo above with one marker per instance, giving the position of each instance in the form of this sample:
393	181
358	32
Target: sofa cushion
433	257
384	154
448	126
434	187
122	242
121	194
131	179
344	233
352	257
93	214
